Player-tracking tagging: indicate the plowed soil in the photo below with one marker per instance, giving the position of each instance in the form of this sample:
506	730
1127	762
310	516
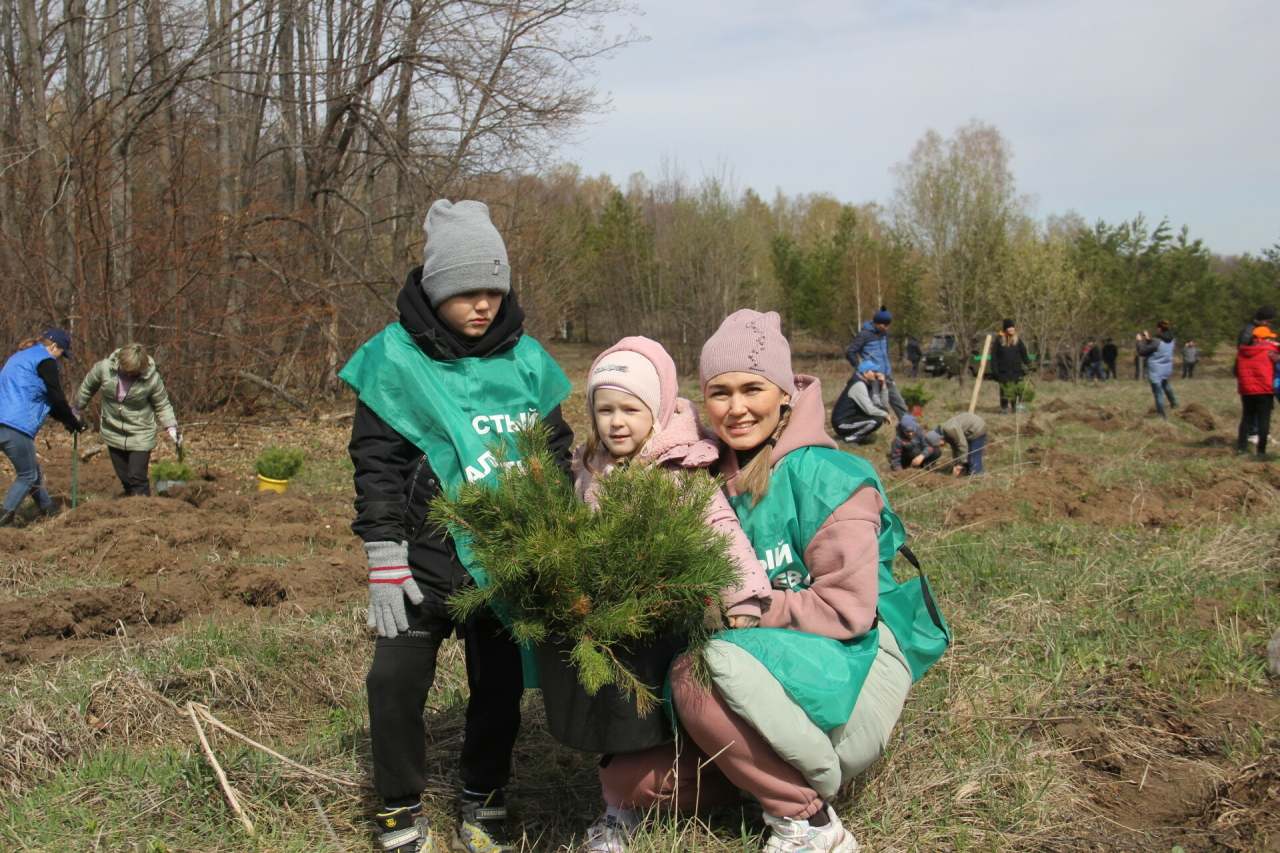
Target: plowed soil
119	568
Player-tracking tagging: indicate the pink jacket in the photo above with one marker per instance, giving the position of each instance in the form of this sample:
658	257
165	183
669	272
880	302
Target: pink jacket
684	443
843	558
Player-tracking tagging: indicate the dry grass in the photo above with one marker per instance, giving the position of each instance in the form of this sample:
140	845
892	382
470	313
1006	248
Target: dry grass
1093	666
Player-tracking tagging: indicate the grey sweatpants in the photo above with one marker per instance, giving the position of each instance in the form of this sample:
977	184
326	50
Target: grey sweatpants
681	775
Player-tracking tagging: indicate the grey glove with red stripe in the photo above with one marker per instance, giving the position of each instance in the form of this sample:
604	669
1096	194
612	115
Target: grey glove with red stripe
389	582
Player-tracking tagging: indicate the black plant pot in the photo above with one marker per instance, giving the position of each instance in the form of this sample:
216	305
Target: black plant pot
608	721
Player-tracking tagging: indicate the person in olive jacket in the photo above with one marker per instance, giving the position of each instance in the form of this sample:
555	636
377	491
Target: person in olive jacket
133	400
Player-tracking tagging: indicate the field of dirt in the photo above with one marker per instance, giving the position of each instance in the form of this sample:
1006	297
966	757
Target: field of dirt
1162	778
115	570
137	565
1058	485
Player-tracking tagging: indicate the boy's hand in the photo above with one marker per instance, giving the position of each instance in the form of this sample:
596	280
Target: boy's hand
744	621
389	582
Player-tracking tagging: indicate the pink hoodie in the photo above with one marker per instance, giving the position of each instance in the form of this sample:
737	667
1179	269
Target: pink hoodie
682	442
843	558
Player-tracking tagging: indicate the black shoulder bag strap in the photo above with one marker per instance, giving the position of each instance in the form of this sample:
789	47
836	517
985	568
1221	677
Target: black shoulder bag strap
929	603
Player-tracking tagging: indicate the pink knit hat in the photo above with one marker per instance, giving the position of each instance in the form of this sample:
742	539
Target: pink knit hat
749	342
642	368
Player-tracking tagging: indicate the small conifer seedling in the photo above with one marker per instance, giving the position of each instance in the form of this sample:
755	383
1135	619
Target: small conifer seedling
644	565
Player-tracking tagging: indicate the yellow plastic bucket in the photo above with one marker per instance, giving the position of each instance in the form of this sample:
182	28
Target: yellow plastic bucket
266	484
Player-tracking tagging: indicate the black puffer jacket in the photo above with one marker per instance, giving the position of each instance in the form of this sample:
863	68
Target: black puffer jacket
1009	359
394	479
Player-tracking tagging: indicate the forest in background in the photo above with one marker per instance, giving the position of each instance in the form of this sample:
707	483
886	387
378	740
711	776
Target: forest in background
241	187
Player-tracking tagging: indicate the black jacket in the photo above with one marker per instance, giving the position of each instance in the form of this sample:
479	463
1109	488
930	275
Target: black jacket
1245	338
1146	349
59	409
394	481
1009	360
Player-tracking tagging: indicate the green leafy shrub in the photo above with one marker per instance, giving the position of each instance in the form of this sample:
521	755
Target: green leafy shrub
280	463
916	395
643	565
168	469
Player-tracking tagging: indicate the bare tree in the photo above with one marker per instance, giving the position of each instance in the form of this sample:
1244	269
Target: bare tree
954	201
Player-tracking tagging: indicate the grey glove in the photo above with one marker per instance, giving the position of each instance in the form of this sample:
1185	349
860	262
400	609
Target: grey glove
389	582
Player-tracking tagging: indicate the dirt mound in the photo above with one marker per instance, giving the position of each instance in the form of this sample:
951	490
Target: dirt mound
1244	812
1198	416
1101	418
1060	487
124	566
1008	427
1055	405
1063	491
1252	488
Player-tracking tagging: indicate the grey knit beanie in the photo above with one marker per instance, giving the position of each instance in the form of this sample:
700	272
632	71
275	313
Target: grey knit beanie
464	253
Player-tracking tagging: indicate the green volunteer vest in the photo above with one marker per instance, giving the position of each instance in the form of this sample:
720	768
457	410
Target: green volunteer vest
460	412
824	675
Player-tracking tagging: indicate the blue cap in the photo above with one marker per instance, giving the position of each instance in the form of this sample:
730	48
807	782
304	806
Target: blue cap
933	438
882	317
60	338
866	365
908	422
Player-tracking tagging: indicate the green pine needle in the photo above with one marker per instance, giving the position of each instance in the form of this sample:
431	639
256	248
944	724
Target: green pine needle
644	565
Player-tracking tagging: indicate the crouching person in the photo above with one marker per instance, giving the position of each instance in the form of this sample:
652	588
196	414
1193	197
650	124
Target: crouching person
863	406
909	449
435	391
808	699
966	435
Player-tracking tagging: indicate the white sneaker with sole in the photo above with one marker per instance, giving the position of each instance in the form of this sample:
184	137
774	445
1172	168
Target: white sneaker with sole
797	836
611	832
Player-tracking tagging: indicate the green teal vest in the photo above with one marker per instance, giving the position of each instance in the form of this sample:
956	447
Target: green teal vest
458	412
824	675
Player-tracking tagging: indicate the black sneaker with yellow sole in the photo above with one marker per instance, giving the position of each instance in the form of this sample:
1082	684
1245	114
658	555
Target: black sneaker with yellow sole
404	830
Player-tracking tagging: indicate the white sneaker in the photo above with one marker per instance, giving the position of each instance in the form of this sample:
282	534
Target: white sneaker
797	836
612	831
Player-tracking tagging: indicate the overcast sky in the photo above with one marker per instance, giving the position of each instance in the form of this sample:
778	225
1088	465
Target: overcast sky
1170	108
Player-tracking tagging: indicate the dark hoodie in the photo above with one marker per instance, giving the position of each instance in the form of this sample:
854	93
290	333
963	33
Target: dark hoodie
395	483
905	448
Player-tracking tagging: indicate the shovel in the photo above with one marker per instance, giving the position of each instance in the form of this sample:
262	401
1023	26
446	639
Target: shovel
75	466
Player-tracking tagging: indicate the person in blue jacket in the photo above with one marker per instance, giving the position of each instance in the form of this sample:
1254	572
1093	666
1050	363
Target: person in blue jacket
29	392
872	344
1158	352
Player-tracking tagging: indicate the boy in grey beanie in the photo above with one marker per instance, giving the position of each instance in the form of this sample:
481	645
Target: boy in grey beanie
434	392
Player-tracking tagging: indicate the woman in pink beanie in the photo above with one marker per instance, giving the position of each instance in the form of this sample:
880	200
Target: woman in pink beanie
806	701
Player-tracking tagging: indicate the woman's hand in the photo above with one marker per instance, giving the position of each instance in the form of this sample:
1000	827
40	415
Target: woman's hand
744	621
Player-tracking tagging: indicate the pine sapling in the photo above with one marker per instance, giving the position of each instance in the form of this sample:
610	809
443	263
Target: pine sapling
643	565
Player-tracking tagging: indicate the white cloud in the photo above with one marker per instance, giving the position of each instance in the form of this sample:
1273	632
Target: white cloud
1111	108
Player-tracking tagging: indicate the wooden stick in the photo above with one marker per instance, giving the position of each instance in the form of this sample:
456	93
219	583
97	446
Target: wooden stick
214	721
217	768
982	371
